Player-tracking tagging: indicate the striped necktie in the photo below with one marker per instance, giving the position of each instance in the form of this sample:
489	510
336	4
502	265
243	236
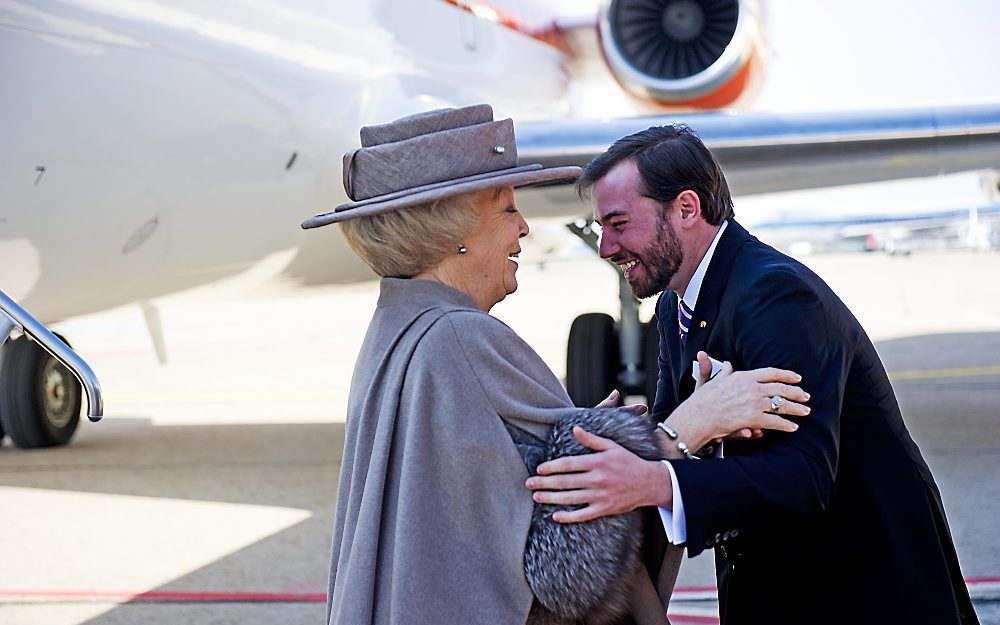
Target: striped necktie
683	321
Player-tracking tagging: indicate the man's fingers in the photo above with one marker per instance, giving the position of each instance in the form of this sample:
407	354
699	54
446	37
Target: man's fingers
561	481
592	441
787	391
770	374
567	464
738	435
563	497
577	516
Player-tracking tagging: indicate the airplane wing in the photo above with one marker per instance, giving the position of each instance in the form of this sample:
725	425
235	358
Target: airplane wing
770	152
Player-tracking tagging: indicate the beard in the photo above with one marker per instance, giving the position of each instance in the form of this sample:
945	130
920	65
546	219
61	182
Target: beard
660	262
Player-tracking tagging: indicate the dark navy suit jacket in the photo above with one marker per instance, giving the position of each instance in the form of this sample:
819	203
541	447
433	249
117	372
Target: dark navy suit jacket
839	522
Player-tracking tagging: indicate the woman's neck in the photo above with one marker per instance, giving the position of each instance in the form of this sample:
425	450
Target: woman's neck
459	283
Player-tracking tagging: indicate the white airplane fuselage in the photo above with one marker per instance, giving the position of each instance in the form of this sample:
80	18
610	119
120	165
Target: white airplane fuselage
152	148
148	148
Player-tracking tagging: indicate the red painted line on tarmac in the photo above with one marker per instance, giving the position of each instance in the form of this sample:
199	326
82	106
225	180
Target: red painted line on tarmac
162	596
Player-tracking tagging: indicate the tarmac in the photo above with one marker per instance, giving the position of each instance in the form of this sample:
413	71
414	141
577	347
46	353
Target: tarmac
206	494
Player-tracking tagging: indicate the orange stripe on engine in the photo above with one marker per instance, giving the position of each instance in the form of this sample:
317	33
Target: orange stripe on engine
727	93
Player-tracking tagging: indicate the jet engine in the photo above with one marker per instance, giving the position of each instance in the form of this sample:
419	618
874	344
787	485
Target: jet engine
696	53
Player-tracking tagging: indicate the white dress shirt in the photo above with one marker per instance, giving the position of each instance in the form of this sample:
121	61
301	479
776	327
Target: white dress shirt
674	522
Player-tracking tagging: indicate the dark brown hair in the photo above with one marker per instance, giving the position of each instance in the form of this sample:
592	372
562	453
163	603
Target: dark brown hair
670	159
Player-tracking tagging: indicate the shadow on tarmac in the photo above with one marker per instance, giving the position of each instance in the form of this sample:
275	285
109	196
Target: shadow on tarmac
286	465
953	419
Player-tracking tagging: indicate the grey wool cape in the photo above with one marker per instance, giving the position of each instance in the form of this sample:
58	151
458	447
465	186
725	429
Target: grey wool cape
432	513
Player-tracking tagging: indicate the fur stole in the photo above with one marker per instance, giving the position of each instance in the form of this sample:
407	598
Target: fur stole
581	571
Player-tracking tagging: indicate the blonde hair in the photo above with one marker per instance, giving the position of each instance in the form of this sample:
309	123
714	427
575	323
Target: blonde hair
403	243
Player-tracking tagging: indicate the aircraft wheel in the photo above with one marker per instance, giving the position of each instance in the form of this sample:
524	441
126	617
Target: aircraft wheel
592	361
650	359
39	397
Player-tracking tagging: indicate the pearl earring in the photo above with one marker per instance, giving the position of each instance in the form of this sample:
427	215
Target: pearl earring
462	249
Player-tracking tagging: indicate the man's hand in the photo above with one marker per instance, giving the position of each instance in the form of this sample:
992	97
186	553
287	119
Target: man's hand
611	481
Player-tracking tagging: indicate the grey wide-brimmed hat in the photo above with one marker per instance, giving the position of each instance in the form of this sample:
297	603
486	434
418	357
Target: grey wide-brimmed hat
433	155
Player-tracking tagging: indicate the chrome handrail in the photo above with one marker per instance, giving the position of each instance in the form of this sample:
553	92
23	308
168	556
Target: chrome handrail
16	317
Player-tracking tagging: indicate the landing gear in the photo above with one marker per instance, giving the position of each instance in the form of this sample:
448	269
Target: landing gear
40	402
592	362
603	355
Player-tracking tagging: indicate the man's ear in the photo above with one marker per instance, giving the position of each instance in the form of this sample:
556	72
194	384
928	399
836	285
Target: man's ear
689	205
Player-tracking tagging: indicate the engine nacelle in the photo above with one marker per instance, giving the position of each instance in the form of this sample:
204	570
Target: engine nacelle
696	53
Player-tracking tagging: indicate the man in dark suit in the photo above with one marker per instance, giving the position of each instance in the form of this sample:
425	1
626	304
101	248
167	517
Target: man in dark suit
839	522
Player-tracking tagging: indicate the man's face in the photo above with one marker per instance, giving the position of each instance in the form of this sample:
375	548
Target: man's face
636	234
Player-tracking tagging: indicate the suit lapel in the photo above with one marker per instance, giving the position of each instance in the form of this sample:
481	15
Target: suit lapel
707	308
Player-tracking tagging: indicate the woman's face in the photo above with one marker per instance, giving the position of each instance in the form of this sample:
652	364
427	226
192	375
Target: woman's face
488	266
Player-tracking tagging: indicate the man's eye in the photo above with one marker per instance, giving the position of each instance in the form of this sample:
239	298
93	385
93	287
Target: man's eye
618	224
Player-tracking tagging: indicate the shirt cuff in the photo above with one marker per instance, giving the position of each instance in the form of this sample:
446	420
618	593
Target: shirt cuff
673	520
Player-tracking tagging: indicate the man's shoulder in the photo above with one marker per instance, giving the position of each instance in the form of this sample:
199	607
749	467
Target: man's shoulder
763	277
759	264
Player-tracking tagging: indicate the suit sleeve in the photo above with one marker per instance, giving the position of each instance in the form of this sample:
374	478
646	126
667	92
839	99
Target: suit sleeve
781	322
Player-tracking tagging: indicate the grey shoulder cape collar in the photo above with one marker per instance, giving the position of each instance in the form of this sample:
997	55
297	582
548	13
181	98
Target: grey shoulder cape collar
421	293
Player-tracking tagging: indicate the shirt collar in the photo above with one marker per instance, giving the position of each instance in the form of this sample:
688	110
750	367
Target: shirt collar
694	286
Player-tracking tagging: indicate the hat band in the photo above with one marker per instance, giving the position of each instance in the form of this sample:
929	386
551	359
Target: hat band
435	185
431	158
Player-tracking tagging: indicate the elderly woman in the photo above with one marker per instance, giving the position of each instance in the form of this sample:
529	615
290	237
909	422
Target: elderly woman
432	513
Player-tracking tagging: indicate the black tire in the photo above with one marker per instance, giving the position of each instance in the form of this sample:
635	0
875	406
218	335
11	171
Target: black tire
650	360
592	359
39	397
